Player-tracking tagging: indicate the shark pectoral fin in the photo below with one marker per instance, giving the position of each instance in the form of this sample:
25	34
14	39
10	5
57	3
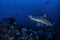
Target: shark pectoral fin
38	24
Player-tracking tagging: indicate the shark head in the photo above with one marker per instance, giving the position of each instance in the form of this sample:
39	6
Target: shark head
29	16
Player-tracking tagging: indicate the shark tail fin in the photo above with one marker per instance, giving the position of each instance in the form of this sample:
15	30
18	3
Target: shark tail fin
54	23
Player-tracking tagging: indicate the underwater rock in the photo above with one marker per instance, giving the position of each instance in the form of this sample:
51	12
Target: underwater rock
11	20
13	30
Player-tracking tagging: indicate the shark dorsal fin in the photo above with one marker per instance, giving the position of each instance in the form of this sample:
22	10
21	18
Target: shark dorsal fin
45	15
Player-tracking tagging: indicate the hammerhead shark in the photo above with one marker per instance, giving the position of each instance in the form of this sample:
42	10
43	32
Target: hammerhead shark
41	20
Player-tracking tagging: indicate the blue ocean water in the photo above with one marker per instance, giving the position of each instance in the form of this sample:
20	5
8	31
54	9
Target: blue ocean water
20	9
23	8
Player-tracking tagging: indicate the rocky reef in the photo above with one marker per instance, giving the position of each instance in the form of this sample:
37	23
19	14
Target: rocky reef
10	29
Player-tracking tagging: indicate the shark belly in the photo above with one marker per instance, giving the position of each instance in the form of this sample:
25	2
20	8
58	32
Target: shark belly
35	20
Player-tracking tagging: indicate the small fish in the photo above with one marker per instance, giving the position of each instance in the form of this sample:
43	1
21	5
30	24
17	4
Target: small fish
41	20
47	2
